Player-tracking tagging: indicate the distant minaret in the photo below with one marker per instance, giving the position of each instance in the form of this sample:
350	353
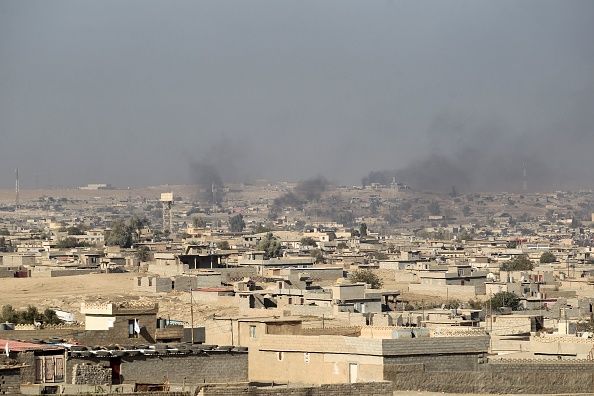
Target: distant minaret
524	181
16	189
214	196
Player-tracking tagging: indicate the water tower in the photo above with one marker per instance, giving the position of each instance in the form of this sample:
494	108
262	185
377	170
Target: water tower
167	201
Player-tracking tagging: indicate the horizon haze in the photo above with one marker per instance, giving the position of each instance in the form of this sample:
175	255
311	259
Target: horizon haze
438	93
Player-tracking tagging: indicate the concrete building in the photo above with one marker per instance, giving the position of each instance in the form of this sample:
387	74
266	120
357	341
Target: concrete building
125	323
327	359
153	284
257	260
246	331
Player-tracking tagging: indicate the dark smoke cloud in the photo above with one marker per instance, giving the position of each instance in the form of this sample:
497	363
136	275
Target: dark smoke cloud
305	191
490	155
222	162
208	179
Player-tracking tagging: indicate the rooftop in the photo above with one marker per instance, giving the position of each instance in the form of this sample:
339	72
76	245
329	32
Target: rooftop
20	346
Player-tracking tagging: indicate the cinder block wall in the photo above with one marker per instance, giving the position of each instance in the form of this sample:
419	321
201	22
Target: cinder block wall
445	362
10	381
526	377
214	367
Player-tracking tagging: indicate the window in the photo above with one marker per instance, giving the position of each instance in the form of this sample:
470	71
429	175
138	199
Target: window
252	331
150	281
279	356
131	328
139	281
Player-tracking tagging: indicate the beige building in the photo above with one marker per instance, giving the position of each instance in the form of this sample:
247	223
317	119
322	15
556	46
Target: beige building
329	359
245	332
128	322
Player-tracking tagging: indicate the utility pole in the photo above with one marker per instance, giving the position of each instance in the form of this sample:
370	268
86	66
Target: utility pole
423	310
192	314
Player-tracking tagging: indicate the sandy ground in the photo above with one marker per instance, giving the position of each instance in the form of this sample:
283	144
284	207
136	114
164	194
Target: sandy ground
68	292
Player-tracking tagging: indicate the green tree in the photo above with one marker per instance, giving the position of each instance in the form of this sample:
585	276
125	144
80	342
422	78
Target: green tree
3	245
299	225
143	253
475	304
260	228
308	241
363	230
49	317
29	315
466	210
271	246
198	222
465	236
135	226
4	231
519	263
69	243
380	256
75	230
547	257
318	255
236	223
453	304
367	276
505	299
9	314
434	208
121	235
223	245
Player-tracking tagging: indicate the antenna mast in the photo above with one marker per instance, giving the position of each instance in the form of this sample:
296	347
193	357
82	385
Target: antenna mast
16	201
524	181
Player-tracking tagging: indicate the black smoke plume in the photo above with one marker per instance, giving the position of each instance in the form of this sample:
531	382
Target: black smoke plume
305	191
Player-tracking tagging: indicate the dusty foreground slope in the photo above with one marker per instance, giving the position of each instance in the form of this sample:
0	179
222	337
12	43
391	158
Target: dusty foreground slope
68	292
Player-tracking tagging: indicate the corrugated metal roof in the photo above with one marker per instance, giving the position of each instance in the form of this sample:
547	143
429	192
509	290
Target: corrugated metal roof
20	346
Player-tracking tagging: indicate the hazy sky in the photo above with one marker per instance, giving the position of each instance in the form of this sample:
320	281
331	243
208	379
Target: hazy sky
133	92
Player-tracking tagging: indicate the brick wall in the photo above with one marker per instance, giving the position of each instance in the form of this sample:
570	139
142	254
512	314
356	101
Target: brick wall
357	389
213	367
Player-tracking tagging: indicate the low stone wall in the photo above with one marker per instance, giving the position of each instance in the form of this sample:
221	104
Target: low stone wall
210	367
65	272
520	377
308	310
452	291
356	389
91	374
351	331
